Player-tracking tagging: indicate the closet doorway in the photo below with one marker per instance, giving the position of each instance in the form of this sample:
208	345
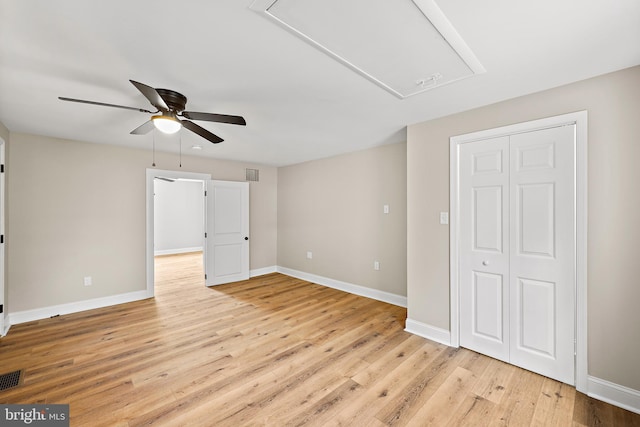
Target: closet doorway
518	245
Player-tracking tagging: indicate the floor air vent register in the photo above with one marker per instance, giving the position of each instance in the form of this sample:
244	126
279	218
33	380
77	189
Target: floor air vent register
10	380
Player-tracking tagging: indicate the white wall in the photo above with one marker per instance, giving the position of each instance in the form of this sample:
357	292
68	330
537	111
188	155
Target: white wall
178	216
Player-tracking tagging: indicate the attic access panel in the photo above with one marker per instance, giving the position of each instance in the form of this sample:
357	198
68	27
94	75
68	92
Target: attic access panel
404	46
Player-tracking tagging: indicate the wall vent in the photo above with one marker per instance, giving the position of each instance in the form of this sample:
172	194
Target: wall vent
252	175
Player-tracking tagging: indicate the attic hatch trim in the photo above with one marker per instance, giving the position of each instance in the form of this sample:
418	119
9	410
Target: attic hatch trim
433	15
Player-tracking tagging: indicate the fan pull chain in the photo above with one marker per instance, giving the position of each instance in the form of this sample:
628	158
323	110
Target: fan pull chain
180	149
154	149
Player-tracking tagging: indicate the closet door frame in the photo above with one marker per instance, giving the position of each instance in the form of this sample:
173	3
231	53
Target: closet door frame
580	120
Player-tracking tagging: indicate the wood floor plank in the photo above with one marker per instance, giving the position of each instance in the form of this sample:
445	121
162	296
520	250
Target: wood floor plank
519	403
493	380
324	409
444	402
473	411
393	357
272	351
424	384
389	386
555	405
324	369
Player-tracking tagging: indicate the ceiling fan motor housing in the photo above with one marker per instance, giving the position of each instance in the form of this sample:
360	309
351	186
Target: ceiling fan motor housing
174	100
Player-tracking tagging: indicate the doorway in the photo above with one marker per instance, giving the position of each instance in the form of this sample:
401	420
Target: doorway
152	174
226	229
178	231
518	245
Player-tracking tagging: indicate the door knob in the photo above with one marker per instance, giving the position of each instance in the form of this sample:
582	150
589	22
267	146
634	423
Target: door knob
246	238
485	262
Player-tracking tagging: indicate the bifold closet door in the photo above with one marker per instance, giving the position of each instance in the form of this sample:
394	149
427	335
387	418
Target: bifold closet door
542	252
484	247
517	249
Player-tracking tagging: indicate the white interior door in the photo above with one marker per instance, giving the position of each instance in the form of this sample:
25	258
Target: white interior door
227	232
517	249
484	243
542	252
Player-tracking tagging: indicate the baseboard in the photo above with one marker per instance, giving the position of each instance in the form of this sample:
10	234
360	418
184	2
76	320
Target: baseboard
7	325
75	307
624	397
429	332
177	251
383	296
262	271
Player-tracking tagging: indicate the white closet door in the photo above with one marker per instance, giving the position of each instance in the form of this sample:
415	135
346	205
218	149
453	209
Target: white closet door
542	252
517	249
484	247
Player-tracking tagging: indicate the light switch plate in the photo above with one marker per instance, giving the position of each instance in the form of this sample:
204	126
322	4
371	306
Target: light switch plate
444	217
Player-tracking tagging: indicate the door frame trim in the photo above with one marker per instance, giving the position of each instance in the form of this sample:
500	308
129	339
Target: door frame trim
580	120
4	316
150	253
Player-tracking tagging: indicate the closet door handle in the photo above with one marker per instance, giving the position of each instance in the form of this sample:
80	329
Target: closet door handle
485	262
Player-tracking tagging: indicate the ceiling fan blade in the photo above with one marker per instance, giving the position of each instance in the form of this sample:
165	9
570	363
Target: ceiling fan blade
210	117
201	131
164	178
104	104
152	95
143	129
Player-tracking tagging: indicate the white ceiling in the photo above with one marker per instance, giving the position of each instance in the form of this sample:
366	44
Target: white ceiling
300	104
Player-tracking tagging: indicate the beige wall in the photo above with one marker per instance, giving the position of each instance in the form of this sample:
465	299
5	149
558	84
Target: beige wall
334	208
78	209
613	104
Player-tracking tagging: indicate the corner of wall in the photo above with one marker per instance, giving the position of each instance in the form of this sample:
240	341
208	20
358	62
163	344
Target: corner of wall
351	288
429	332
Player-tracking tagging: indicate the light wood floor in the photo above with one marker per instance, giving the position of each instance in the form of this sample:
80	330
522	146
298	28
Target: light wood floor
272	351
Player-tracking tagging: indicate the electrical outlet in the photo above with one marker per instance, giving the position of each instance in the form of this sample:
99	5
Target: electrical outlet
309	255
385	209
87	281
376	265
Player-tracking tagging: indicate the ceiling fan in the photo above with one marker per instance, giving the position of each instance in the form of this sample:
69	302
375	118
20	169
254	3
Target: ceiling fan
170	104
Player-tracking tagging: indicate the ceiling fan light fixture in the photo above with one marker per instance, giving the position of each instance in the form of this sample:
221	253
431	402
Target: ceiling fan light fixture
166	124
